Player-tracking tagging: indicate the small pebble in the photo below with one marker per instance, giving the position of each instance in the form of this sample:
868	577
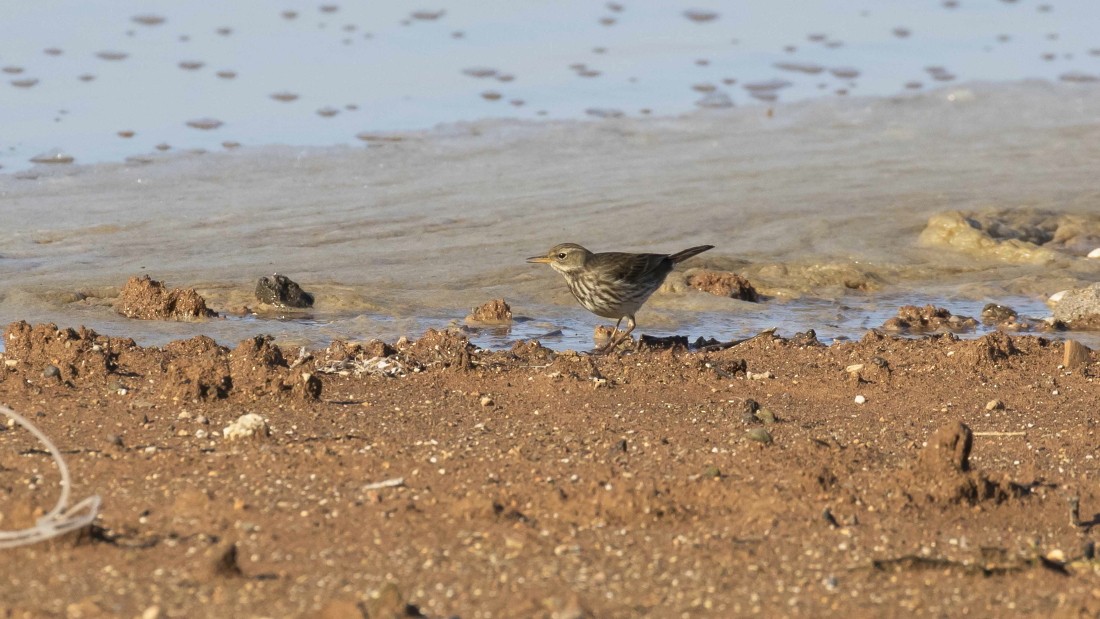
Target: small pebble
246	426
759	435
994	405
765	416
1094	253
860	399
486	400
51	371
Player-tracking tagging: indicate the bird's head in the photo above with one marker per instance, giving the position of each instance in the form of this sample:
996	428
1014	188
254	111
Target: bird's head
565	258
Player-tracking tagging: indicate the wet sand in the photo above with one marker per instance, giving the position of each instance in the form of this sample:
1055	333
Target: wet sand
544	484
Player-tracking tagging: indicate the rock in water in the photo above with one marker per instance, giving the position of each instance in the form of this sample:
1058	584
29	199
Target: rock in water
281	291
1080	308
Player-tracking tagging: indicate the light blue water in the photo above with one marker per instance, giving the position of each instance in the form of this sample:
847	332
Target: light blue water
378	68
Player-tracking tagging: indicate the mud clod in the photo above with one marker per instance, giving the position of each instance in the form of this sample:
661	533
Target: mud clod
257	366
148	299
443	348
948	451
942	471
989	349
928	319
74	354
723	284
495	312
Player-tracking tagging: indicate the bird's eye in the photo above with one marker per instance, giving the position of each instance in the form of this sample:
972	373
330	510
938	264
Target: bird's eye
561	256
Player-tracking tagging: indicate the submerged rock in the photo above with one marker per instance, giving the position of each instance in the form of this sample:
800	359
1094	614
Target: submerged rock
993	313
928	318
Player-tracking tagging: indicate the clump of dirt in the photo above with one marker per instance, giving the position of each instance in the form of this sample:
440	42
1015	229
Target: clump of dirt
988	350
723	284
926	319
439	348
197	369
257	366
147	299
532	350
281	291
942	472
340	350
495	312
75	353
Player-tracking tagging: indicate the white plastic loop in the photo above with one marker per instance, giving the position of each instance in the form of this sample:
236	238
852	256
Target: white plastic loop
62	518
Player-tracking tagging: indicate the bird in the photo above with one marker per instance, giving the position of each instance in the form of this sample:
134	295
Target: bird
613	284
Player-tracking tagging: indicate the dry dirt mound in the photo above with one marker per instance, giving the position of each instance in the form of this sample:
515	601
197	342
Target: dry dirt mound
77	354
438	348
184	370
942	472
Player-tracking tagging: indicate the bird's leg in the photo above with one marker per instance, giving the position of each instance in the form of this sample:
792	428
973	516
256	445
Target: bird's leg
626	334
611	342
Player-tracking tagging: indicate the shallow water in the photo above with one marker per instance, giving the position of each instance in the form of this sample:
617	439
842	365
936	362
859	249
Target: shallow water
102	82
838	208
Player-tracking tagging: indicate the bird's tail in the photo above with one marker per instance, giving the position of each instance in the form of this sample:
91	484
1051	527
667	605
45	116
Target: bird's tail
688	253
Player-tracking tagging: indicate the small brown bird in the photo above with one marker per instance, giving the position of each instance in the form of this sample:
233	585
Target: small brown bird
613	284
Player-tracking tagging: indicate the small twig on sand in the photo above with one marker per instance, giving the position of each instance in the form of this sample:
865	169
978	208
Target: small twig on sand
389	483
1000	433
303	356
732	343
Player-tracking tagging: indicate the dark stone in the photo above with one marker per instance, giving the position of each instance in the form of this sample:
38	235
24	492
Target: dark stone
281	291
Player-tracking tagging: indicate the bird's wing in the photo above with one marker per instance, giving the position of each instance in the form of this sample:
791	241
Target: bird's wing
634	266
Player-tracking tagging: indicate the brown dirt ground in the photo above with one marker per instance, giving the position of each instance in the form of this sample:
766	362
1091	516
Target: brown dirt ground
555	485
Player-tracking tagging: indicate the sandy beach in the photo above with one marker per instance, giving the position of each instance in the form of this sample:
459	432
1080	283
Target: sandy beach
879	477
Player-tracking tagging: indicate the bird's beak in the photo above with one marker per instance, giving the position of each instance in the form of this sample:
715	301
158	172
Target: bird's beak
539	259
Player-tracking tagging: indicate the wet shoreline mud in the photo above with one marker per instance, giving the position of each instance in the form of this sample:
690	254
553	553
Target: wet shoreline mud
779	476
973	193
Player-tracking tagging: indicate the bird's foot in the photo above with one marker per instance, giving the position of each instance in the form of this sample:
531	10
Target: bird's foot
609	339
